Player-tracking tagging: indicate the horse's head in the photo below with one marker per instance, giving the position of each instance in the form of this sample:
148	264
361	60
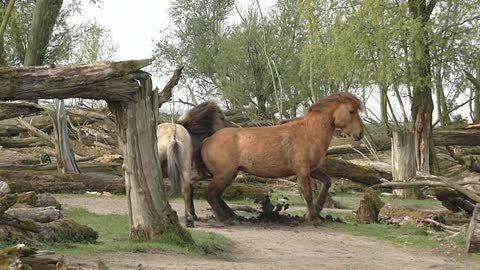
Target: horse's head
204	119
347	117
220	122
346	113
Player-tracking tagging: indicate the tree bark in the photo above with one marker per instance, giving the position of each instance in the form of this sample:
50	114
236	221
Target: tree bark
3	27
476	93
422	105
40	182
443	114
114	81
21	142
65	157
16	109
166	94
150	213
336	167
473	232
44	17
403	162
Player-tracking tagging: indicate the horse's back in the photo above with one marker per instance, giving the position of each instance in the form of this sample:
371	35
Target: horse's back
169	132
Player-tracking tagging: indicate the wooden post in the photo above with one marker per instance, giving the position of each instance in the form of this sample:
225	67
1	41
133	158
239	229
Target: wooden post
149	211
403	161
473	232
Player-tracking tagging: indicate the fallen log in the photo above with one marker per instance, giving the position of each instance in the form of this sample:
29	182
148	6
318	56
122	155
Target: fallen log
42	182
473	232
402	215
16	109
21	142
91	167
336	167
38	214
433	181
442	226
66	230
456	137
10	127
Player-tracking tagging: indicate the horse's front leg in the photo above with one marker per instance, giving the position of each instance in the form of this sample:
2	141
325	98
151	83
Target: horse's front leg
322	196
312	216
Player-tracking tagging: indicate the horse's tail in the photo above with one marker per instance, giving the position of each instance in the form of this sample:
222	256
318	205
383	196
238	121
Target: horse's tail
174	165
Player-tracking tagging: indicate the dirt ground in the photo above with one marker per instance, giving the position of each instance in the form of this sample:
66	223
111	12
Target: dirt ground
272	247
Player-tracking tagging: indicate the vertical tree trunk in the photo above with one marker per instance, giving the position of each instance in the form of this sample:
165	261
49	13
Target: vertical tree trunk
422	105
403	161
44	17
475	111
149	211
65	156
476	102
3	27
442	108
473	232
384	105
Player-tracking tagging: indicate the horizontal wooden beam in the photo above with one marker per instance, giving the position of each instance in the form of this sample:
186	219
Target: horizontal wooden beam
115	81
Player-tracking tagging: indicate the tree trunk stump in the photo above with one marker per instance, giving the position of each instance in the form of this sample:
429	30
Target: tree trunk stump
403	161
150	213
369	207
473	232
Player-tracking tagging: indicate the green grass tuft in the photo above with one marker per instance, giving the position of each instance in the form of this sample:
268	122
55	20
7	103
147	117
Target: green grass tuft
113	236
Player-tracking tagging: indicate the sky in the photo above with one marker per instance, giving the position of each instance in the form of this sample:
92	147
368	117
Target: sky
134	26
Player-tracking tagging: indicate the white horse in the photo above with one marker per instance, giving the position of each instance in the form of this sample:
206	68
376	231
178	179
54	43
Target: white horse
179	144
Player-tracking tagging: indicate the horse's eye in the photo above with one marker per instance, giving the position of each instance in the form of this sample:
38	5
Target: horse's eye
352	112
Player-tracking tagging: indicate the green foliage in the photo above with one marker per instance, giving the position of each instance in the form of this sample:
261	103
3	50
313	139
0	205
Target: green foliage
320	47
69	43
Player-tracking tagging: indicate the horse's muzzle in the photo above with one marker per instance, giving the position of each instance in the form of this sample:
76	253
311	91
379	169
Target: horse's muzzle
357	136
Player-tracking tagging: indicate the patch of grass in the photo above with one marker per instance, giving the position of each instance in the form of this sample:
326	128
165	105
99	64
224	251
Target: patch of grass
113	236
407	235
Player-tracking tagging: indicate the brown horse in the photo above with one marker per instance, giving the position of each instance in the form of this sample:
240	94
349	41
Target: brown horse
297	147
179	143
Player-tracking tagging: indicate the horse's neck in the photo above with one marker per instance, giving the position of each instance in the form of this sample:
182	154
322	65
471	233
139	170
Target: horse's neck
320	130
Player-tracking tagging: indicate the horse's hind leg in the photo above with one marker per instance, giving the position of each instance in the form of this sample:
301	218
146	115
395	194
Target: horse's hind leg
322	196
190	216
214	196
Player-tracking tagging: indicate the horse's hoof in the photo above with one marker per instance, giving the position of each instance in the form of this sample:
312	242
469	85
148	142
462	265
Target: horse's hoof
230	222
190	224
313	220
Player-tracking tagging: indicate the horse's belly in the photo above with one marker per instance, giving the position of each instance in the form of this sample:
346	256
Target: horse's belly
265	169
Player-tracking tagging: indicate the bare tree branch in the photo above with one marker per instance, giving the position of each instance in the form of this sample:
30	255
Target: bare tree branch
166	94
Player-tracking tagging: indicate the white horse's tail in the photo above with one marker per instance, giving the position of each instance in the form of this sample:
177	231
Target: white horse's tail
175	166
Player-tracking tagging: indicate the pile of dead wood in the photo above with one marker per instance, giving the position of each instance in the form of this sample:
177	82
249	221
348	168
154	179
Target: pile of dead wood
31	218
373	210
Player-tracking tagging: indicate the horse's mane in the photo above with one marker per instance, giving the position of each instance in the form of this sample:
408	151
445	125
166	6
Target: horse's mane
286	121
200	120
342	97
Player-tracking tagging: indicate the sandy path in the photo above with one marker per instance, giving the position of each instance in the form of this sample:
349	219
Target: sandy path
275	247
